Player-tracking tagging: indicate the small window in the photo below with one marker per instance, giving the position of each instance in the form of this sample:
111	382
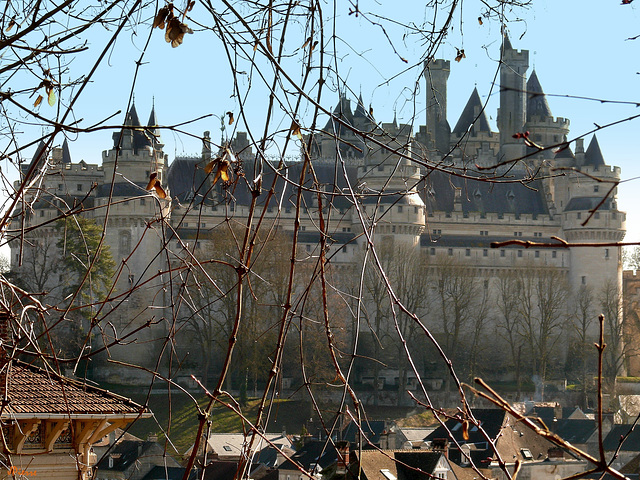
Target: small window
143	202
227	448
554	254
485	252
584	280
203	225
399	208
503	253
526	454
432	251
415	210
606	253
344	249
537	254
519	253
303	228
450	251
596	215
596	188
467	252
579	215
42	213
308	248
132	280
387	474
60	187
79	187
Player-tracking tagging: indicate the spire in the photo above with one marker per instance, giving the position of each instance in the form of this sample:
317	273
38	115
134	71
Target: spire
132	119
154	133
537	102
469	114
66	155
360	111
593	156
506	43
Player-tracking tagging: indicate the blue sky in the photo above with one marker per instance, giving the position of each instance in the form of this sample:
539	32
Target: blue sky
578	48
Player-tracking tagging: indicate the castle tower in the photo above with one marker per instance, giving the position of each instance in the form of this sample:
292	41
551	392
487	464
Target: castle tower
512	112
544	129
436	73
399	214
134	233
480	144
593	265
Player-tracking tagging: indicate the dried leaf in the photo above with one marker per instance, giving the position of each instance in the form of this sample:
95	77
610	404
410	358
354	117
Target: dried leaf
159	190
465	430
307	42
460	54
626	2
38	101
51	96
153	178
230	115
370	111
223	166
12	23
480	20
295	129
190	6
164	15
315	44
208	168
175	31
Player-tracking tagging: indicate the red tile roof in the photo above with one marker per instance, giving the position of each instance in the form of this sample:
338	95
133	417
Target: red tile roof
35	392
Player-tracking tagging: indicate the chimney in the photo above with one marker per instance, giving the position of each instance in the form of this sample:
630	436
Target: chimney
343	457
441	445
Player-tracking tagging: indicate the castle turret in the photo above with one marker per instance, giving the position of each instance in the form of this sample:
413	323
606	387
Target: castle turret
480	144
436	73
512	112
544	129
399	214
591	215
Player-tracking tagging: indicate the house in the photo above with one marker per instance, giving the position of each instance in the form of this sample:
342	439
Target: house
624	441
400	465
50	422
231	446
313	457
132	460
511	440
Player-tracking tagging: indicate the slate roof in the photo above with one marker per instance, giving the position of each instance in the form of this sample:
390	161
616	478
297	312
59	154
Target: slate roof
468	116
438	193
574	431
587	203
168	473
537	101
615	435
34	392
371	431
126	452
510	437
314	451
593	156
219	470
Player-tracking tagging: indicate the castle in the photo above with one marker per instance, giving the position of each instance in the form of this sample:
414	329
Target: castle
397	188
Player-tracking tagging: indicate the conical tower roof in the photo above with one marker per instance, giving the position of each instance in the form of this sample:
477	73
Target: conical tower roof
593	155
153	122
506	43
66	155
342	111
565	153
537	101
132	119
469	114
